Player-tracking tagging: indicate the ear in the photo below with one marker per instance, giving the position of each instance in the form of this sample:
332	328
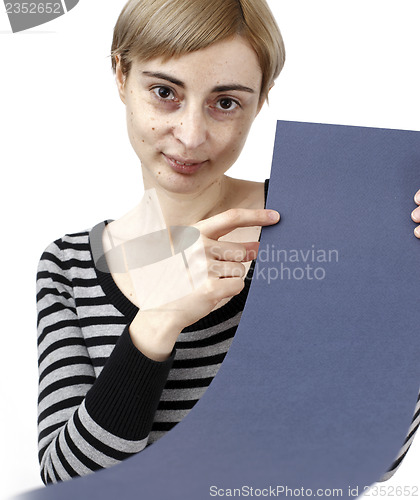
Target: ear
120	78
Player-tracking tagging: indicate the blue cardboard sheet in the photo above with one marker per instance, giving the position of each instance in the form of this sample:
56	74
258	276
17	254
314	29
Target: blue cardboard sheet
320	384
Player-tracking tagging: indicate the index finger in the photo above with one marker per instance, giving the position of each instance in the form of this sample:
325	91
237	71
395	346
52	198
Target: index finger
225	222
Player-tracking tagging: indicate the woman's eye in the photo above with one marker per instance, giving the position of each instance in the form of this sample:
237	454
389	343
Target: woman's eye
227	104
164	93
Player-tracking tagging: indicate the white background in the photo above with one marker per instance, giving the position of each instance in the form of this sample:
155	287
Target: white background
66	162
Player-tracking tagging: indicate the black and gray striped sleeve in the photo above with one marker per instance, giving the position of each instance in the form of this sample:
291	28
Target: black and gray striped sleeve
87	423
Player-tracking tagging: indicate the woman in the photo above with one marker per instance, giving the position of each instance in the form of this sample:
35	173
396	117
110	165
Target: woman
193	75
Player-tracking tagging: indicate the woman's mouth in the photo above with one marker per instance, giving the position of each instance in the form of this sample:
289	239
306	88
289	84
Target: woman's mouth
184	166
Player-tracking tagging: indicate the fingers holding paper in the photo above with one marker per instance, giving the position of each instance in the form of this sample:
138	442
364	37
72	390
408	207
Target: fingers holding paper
415	214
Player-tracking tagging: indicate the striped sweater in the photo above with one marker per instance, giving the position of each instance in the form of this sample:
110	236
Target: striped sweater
100	399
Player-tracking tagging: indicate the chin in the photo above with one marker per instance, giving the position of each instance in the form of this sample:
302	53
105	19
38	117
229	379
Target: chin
179	183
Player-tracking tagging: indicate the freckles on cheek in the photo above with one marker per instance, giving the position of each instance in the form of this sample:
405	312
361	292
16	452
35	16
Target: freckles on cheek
134	132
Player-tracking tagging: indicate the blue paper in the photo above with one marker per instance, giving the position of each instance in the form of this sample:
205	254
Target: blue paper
319	386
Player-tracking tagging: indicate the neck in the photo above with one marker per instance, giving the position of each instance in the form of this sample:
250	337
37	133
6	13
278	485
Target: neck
189	208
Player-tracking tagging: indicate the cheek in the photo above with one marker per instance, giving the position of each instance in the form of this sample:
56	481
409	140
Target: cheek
234	141
141	130
135	132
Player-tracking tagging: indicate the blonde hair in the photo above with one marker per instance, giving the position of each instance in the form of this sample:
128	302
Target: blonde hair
147	29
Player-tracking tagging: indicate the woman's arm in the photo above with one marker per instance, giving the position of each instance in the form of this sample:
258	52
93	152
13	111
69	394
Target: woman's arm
87	423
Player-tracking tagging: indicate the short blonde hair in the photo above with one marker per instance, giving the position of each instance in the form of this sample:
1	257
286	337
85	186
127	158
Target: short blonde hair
169	28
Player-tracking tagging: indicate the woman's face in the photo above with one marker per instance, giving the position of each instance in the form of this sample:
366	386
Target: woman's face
188	117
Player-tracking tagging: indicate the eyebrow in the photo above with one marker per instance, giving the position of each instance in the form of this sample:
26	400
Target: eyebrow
218	88
164	76
235	86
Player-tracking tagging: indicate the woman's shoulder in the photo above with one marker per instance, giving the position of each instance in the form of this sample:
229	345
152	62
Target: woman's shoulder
72	245
67	262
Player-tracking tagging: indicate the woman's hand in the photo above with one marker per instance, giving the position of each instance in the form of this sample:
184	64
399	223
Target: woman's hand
155	331
415	214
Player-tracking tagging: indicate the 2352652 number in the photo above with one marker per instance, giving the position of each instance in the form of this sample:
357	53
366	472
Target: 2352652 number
391	491
33	8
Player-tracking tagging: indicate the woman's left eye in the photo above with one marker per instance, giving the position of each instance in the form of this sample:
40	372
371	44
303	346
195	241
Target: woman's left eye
227	104
164	93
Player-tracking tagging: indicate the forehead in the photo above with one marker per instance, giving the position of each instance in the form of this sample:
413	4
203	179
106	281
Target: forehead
231	61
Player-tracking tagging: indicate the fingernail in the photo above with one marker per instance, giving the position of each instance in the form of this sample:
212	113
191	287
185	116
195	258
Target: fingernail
414	215
417	232
274	216
417	198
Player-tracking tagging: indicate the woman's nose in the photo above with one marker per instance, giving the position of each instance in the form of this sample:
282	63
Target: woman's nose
191	128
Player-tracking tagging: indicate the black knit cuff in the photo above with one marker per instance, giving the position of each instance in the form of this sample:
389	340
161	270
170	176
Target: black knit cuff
124	398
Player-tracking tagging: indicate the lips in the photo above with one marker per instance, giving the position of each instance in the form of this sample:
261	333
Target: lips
184	165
